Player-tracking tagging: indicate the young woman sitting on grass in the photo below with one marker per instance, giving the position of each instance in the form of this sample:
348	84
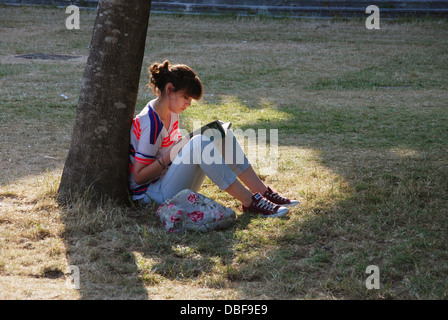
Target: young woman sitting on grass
163	164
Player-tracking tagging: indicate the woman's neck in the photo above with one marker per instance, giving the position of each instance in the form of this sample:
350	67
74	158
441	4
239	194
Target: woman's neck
161	106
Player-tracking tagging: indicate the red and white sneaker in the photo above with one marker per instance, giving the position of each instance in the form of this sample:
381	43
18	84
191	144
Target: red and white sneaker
278	199
265	207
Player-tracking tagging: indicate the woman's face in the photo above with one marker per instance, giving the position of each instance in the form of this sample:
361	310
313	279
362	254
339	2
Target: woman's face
179	101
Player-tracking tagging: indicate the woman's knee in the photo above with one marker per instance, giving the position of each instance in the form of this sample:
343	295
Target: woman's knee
191	153
200	141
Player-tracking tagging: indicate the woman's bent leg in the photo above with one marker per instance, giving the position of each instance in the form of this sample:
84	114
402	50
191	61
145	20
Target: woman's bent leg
232	153
237	160
188	171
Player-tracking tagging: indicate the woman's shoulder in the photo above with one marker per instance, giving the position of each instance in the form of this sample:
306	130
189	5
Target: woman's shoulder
145	110
149	122
148	113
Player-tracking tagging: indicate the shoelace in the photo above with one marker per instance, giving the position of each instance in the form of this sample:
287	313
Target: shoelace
266	205
275	195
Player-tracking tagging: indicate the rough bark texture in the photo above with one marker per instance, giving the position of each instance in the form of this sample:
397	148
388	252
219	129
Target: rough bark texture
98	158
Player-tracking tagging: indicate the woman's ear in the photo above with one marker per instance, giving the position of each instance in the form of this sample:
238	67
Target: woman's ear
169	88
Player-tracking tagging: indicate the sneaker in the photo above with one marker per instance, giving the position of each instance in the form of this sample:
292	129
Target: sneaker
265	207
278	199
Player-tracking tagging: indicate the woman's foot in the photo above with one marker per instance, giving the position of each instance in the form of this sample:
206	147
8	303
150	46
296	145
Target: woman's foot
265	207
277	199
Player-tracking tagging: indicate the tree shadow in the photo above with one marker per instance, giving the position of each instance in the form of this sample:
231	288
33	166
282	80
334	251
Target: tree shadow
368	197
100	240
365	192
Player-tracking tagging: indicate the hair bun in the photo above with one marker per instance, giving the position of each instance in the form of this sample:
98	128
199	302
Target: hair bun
180	76
165	65
158	74
159	68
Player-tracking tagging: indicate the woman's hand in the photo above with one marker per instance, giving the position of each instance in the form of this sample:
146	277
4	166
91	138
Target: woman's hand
176	149
147	172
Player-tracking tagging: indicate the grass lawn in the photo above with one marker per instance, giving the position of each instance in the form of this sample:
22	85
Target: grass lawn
362	122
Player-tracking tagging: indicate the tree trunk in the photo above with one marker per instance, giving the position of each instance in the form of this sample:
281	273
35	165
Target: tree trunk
98	158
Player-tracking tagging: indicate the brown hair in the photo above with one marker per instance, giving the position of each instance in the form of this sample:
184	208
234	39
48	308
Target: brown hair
181	76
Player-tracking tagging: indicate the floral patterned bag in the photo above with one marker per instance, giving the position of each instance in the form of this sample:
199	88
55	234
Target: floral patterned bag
192	211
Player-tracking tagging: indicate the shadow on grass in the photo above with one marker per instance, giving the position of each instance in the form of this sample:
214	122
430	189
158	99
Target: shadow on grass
373	186
99	242
369	197
374	195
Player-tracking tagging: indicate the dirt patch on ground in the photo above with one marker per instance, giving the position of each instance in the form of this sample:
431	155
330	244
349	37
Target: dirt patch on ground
42	58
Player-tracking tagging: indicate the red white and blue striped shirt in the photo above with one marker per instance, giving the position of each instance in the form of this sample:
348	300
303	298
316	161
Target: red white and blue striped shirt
149	140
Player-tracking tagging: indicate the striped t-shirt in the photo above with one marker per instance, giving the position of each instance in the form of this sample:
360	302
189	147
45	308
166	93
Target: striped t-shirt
150	140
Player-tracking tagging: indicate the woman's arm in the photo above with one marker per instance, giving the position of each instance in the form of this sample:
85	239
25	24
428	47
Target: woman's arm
144	173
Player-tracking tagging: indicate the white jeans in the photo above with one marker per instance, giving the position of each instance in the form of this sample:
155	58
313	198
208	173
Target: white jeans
221	160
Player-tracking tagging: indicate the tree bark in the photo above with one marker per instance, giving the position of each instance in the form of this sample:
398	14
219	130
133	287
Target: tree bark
98	159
